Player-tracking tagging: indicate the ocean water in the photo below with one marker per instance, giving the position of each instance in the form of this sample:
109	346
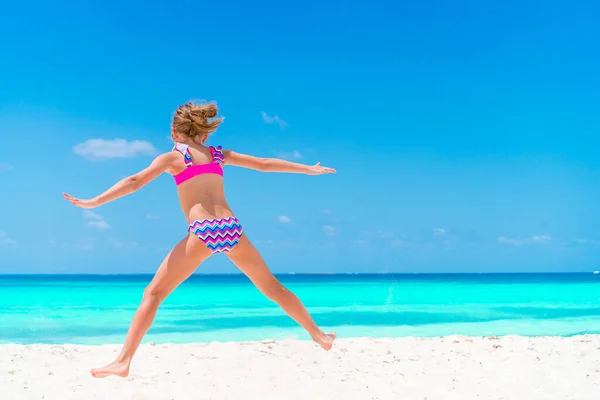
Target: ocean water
98	309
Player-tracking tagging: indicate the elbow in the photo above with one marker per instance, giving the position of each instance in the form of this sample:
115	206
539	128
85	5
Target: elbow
264	165
134	183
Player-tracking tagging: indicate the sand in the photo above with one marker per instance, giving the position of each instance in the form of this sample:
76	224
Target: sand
446	368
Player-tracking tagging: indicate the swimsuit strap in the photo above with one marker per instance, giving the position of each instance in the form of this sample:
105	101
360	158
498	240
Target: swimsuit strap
217	154
184	149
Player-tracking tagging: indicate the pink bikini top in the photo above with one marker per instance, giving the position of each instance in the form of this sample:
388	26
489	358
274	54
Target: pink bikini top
192	170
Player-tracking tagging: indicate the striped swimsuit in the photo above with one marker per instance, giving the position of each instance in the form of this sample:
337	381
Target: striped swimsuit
219	235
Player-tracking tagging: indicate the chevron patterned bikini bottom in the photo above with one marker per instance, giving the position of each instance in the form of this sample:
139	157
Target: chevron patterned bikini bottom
219	235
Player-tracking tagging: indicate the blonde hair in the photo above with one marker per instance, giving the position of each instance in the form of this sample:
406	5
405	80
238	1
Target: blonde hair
192	119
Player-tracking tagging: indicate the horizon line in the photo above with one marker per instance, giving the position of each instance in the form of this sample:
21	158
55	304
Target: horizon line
311	273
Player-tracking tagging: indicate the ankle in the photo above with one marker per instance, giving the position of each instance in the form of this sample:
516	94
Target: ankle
124	359
317	335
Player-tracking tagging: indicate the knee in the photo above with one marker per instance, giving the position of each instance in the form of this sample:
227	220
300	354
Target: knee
154	295
274	290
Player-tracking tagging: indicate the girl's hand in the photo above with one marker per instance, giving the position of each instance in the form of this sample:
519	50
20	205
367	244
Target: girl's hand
317	169
80	203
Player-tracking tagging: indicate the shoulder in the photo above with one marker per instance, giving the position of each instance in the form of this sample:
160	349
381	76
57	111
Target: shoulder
166	162
167	158
227	154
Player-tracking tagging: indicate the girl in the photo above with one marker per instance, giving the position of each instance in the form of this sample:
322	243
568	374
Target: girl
212	226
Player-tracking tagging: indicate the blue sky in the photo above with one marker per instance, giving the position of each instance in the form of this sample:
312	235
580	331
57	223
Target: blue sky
465	134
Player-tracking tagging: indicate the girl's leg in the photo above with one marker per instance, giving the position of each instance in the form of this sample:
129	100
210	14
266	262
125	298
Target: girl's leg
249	261
179	264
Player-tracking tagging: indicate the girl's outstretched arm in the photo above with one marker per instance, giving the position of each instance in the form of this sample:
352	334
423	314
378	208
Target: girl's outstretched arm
130	184
274	164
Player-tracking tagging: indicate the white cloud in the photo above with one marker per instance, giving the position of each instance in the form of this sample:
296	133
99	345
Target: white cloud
95	220
273	120
541	238
439	232
99	224
521	242
291	156
100	149
151	216
326	211
4	239
330	230
284	219
511	241
87	214
5	167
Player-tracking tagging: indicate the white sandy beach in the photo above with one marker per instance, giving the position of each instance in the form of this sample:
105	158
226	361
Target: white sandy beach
447	368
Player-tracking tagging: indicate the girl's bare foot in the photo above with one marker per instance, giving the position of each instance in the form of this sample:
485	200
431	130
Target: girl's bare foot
325	340
118	368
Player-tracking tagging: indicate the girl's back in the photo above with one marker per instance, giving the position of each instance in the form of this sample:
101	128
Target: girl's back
198	174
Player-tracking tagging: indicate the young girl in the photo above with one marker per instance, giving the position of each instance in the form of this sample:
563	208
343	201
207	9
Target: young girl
212	226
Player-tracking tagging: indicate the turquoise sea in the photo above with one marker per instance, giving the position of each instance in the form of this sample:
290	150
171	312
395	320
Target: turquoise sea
97	309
